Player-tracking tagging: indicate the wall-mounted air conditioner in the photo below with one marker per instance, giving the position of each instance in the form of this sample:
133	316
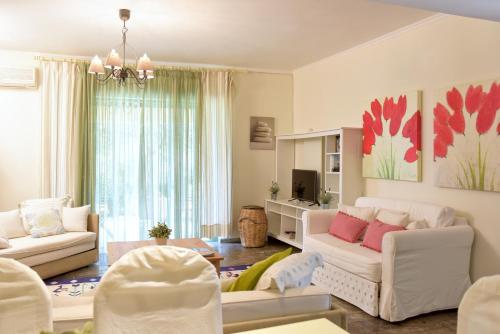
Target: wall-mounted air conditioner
18	77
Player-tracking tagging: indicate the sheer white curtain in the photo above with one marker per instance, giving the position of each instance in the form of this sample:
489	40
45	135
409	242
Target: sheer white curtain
216	157
59	128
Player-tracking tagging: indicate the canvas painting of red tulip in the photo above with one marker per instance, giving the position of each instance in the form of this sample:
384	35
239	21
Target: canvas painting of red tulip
467	137
392	147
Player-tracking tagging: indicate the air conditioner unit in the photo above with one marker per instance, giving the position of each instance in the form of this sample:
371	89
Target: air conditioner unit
18	77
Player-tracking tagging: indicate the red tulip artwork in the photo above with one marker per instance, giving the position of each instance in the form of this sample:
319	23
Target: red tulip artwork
392	146
467	137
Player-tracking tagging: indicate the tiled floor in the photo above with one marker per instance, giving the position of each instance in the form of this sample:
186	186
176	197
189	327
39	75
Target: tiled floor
444	322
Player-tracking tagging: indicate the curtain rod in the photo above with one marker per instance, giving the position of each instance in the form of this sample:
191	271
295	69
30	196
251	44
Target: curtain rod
166	67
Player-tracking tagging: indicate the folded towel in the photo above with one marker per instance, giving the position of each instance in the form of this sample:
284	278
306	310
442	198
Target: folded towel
262	139
263	129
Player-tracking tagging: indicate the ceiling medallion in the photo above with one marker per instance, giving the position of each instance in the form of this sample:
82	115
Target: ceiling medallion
118	69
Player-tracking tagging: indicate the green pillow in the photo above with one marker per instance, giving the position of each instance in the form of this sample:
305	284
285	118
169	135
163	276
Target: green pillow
249	278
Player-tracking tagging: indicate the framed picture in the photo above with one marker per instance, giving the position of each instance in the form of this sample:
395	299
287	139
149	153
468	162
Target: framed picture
262	135
392	130
467	137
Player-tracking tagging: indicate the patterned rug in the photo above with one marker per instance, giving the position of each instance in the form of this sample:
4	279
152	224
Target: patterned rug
84	286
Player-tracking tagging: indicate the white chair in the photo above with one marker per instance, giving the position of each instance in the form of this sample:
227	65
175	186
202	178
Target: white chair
479	311
25	304
159	289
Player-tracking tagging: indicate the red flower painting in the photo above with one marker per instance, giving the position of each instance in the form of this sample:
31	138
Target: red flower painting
392	138
465	139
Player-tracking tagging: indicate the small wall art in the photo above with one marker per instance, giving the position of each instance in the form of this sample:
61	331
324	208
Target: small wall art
262	133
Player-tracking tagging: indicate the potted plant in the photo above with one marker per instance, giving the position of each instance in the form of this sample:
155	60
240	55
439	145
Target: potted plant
160	232
325	198
274	190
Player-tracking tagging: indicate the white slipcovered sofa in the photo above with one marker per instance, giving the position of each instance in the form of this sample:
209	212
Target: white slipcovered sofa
418	271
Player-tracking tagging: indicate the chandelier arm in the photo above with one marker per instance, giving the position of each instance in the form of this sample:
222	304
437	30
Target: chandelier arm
104	78
137	79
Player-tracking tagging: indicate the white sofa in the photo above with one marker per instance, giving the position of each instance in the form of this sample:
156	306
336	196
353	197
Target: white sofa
418	271
56	254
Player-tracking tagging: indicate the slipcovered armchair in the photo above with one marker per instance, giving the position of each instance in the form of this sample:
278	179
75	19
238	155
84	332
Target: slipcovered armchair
479	311
159	289
25	304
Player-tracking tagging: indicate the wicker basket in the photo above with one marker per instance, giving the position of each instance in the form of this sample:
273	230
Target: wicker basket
253	226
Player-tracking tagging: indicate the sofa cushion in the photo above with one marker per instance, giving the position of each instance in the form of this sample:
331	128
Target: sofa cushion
252	305
27	246
12	224
350	257
54	255
75	219
347	227
44	223
393	217
32	206
434	215
4	241
363	213
375	232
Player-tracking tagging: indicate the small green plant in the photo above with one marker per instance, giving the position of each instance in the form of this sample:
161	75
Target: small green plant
160	230
325	197
274	188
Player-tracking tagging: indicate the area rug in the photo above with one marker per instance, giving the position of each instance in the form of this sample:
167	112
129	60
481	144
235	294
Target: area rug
85	286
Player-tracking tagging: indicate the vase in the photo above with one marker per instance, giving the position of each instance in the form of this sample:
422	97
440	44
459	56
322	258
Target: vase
325	206
161	241
274	196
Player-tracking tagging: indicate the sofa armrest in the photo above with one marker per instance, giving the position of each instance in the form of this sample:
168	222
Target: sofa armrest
317	221
424	270
93	226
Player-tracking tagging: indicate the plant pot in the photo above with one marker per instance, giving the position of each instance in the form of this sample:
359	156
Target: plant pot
274	196
161	241
325	206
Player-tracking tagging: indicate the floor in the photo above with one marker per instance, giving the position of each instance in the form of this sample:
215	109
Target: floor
444	322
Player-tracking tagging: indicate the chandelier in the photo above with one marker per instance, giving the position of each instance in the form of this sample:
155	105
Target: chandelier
118	70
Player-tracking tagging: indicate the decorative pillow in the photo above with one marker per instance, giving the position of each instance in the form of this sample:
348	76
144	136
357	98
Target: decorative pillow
45	222
375	232
4	240
347	227
30	207
11	224
393	217
417	225
363	213
75	219
249	278
295	271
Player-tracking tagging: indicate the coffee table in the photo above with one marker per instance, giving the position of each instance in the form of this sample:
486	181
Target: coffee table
119	248
318	326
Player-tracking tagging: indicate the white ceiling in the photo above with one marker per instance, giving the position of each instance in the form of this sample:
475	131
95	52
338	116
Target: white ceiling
484	9
266	34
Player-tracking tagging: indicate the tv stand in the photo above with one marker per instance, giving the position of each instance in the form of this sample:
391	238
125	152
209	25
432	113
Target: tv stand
285	219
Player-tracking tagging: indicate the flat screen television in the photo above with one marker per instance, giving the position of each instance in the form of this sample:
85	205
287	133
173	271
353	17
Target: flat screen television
304	184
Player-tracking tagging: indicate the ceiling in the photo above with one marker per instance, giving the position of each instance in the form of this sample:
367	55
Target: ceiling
484	9
266	34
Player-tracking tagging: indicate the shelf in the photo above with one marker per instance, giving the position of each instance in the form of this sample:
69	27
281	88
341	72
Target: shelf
333	192
293	204
286	239
272	211
333	173
332	153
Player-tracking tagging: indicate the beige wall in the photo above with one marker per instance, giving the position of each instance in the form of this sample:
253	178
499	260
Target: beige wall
435	54
257	94
20	117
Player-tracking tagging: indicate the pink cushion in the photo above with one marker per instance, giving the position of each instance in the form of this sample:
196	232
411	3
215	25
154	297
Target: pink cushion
375	232
347	227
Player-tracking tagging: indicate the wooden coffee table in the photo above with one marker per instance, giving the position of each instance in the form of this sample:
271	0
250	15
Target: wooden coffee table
119	248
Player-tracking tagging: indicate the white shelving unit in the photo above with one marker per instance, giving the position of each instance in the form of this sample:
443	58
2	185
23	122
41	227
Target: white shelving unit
336	155
285	220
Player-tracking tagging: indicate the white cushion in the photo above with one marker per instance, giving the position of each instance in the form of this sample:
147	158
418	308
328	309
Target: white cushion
294	271
44	222
393	217
363	213
4	241
31	206
434	215
75	219
351	257
12	224
42	258
253	305
27	246
417	225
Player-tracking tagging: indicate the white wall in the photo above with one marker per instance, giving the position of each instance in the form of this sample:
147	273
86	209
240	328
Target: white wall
442	51
257	94
20	119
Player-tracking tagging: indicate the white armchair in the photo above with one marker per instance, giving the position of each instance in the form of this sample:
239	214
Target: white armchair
25	304
418	271
158	289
